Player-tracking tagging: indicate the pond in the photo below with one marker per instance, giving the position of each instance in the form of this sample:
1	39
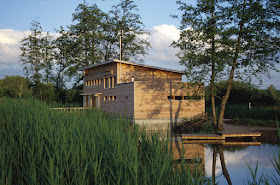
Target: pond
232	162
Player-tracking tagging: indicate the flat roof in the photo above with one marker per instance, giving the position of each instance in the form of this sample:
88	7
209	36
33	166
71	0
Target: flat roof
130	63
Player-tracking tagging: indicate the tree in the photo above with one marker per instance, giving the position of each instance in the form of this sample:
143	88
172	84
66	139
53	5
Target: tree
87	37
128	27
31	53
36	55
47	52
15	87
228	38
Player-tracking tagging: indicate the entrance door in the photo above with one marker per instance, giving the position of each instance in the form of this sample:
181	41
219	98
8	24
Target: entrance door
97	101
92	102
86	101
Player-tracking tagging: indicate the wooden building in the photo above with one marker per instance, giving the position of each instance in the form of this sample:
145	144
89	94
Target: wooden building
150	96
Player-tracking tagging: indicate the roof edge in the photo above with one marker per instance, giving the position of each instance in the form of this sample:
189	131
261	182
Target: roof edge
130	63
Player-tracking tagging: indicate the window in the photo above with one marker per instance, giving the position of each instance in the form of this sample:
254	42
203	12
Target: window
105	83
115	97
111	82
178	97
126	97
193	97
115	81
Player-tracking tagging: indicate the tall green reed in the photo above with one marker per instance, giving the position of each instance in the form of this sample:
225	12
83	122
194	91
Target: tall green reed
46	146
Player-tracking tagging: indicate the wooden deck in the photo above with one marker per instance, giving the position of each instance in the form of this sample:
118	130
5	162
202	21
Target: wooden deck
202	137
240	134
221	142
219	136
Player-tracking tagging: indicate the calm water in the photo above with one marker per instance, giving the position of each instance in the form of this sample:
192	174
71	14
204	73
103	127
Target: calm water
235	162
235	157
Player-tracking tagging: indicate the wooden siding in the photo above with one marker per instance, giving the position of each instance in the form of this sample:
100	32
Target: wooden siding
126	71
151	100
99	72
123	104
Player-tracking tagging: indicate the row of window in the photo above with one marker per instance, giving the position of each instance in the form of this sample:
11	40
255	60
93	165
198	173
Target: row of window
110	98
194	97
108	82
93	82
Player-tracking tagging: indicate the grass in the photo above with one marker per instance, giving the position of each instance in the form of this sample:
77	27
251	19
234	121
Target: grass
256	116
44	146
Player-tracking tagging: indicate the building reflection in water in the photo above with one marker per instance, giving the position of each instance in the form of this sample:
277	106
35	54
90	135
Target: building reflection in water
195	153
227	162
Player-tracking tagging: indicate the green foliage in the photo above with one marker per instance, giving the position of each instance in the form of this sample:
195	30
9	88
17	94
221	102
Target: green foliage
35	53
127	24
258	113
207	129
93	37
228	38
244	93
15	87
46	146
87	37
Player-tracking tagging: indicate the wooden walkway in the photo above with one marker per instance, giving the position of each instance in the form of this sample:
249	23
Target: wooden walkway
219	136
221	142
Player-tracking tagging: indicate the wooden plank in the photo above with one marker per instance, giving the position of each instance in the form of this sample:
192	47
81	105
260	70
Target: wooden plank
211	141
202	136
248	134
241	143
222	142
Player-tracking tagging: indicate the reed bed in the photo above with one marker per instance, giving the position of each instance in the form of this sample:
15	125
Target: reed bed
44	146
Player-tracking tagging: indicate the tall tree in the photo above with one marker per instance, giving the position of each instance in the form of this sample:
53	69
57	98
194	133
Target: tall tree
31	56
229	39
127	26
47	52
87	36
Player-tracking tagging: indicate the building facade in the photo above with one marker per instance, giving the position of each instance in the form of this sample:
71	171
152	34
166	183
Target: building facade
150	96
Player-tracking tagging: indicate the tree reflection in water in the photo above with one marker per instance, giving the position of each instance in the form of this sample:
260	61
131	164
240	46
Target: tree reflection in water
227	159
223	164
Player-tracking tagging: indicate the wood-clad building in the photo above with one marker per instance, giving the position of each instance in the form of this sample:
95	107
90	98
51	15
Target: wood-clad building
151	96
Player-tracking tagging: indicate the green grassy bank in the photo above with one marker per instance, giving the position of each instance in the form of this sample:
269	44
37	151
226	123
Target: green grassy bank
256	116
45	146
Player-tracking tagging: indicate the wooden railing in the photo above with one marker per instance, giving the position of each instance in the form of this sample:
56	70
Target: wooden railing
70	109
197	119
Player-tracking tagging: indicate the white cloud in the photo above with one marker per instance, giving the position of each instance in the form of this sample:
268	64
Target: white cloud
161	37
9	45
161	54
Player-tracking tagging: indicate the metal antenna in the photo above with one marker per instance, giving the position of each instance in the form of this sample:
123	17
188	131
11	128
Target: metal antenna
121	45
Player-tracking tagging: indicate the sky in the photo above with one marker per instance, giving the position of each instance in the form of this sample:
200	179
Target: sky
17	15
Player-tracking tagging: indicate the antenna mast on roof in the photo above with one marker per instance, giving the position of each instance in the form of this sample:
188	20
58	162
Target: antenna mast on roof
121	45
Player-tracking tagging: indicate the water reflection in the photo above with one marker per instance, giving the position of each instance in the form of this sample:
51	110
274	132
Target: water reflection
227	163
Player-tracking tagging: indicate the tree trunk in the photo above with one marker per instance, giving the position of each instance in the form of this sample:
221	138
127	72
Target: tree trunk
225	172
230	80
214	115
214	165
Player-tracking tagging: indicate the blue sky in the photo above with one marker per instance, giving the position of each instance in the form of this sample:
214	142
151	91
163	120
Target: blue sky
16	16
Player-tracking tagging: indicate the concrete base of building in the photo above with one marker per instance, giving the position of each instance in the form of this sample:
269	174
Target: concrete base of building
157	124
